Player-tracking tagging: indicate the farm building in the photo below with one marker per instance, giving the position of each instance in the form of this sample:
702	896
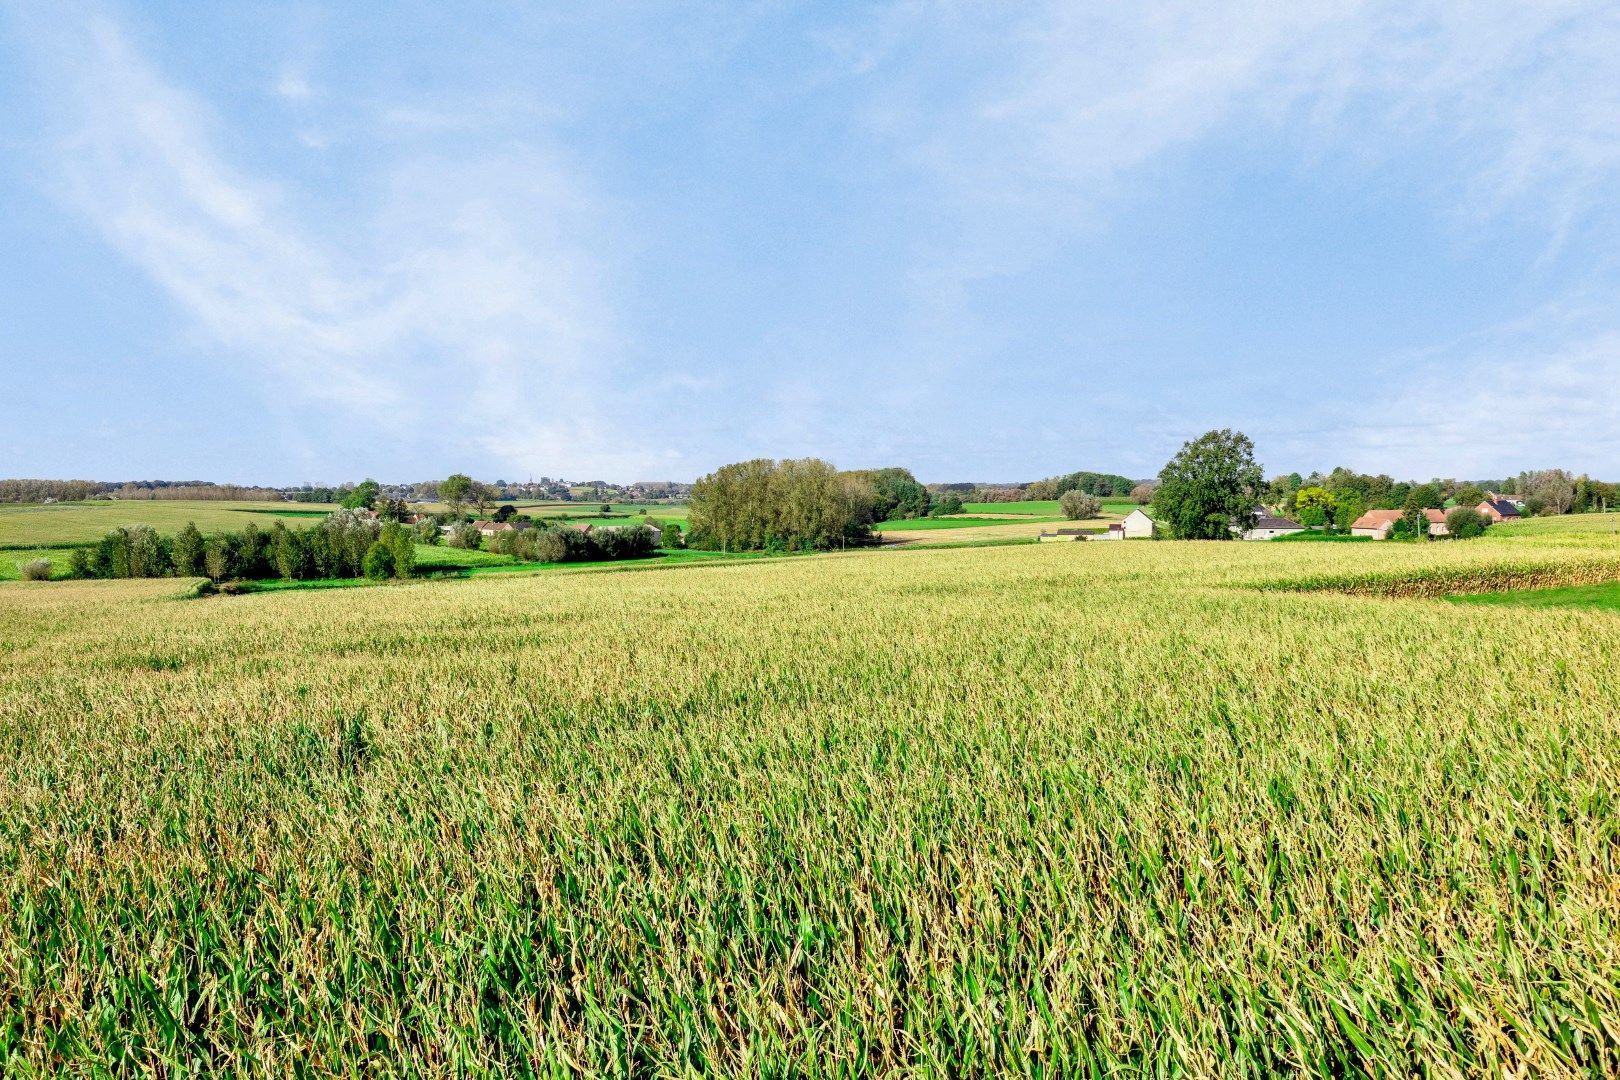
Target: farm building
1063	534
1266	527
1498	508
1375	523
1379	524
1137	525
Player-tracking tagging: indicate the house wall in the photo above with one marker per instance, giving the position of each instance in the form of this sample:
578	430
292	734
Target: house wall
1138	526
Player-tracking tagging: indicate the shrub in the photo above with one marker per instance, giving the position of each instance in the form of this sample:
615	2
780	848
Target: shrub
466	537
1465	523
35	570
217	561
401	548
1076	505
551	545
671	534
379	561
946	505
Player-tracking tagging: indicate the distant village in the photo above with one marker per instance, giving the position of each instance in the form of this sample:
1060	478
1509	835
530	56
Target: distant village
1372	525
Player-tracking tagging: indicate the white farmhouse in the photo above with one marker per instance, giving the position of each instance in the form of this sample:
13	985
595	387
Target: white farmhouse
1266	527
1137	525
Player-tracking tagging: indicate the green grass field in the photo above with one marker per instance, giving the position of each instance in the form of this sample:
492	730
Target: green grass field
81	523
1601	597
1042	507
923	524
1039	810
12	558
442	556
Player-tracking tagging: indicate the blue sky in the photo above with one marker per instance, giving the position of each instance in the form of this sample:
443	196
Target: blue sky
297	242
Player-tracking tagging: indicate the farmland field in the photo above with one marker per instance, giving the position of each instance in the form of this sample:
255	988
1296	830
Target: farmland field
953	522
86	522
956	530
1042	507
1054	810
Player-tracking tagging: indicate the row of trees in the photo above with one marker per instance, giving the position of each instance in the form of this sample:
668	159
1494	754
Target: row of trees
343	546
38	491
572	545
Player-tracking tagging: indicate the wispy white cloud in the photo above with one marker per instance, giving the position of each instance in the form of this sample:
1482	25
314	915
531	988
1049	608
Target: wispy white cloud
469	303
1541	390
293	85
1026	130
1062	99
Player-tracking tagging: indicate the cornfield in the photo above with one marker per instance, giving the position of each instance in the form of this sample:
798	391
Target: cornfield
1042	811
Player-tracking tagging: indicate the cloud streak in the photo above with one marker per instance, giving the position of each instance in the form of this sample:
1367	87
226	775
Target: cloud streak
467	301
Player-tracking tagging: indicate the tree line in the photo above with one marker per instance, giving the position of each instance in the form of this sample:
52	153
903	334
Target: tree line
558	545
345	545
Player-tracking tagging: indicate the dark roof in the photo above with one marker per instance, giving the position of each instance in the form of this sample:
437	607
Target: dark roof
1266	521
1503	507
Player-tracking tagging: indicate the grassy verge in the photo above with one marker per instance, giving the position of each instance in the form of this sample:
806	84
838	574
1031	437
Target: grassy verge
11	560
1320	538
1604	597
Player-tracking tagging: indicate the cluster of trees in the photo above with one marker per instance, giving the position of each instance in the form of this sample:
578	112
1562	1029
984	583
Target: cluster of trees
896	494
1544	491
802	504
1102	485
808	505
343	546
571	545
37	491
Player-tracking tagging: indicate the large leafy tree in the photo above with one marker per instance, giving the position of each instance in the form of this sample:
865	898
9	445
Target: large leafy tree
1314	506
1210	488
364	494
454	491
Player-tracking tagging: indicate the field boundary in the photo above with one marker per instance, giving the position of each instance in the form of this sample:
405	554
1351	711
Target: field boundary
1450	580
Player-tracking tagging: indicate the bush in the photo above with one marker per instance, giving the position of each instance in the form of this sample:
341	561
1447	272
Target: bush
401	549
466	537
551	545
1077	505
379	561
1465	523
35	570
946	505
